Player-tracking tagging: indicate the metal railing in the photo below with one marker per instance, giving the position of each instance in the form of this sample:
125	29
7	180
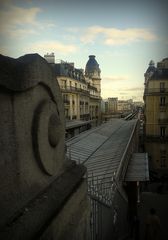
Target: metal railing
107	196
163	121
101	191
155	90
163	108
67	102
74	89
78	90
107	202
130	148
95	96
156	138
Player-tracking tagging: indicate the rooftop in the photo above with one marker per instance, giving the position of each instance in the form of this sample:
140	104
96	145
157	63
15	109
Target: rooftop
101	149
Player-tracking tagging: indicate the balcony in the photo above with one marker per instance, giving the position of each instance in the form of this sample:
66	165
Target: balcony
85	116
74	117
66	102
74	90
156	91
163	107
163	121
94	96
81	102
156	138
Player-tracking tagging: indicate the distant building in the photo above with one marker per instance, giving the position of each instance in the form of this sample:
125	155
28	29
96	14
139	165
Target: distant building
81	91
156	114
112	105
103	106
50	58
125	105
138	104
93	80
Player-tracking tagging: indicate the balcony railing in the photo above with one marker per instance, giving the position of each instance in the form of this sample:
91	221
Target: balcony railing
74	89
163	107
155	91
74	117
66	102
163	121
85	116
94	96
79	90
156	138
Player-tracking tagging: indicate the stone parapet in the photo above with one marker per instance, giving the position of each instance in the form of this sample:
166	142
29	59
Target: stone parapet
36	179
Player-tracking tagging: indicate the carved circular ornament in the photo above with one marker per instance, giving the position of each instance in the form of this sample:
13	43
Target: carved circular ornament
48	132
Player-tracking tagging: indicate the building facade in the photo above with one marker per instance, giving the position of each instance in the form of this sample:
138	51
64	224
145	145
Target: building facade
80	89
113	105
156	115
125	105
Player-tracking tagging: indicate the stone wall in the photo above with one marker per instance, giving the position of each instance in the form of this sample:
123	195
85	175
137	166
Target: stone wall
36	180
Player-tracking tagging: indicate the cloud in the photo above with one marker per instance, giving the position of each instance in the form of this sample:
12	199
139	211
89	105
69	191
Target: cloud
115	78
21	33
115	36
123	93
50	24
4	50
51	46
135	89
20	22
165	41
17	16
121	89
72	29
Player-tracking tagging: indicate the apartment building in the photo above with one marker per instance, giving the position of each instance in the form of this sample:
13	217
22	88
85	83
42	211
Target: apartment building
125	105
81	90
156	115
113	105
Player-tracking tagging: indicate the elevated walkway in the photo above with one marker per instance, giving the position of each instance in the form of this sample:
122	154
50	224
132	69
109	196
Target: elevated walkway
110	154
101	146
105	151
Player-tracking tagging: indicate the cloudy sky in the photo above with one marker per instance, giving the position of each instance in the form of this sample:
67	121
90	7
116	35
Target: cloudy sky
123	34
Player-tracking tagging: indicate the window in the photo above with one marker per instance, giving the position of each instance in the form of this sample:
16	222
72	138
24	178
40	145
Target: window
66	113
73	101
162	101
64	84
162	131
66	98
163	161
162	86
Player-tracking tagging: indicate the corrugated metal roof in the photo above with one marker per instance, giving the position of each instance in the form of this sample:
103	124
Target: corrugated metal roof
138	168
76	123
101	149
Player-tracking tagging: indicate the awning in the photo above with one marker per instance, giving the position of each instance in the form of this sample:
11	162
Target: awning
76	123
138	168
